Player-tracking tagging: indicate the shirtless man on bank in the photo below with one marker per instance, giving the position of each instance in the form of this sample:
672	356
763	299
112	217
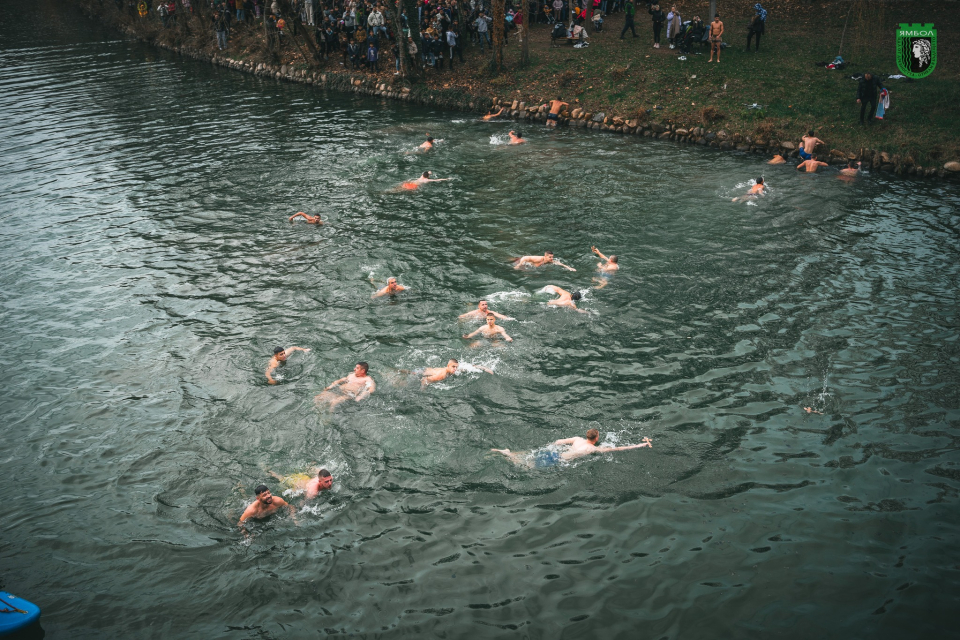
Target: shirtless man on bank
716	37
436	374
808	145
481	312
490	330
539	261
556	106
307	218
280	355
577	447
264	505
811	165
392	288
516	138
607	268
565	299
356	386
310	486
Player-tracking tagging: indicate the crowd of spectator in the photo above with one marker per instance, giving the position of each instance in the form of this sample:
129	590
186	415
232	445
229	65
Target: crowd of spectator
360	32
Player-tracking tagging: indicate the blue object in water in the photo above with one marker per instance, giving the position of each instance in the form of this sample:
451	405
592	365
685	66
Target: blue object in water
16	614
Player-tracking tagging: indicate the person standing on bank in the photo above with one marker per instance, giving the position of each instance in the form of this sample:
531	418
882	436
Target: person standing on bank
629	10
658	18
867	94
757	25
716	37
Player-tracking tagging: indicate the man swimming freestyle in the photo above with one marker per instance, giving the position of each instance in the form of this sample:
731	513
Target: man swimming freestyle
516	137
577	447
264	505
392	288
538	261
356	386
491	115
307	218
565	299
436	374
481	312
556	106
280	355
427	144
490	330
757	189
310	486
412	185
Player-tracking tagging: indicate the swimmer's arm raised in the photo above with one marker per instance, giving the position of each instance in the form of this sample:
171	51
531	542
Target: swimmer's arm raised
597	251
569	268
292	349
646	443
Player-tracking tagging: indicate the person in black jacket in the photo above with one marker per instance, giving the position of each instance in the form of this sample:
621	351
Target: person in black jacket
757	25
658	19
867	94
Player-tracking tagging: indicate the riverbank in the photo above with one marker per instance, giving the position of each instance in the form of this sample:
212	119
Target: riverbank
627	87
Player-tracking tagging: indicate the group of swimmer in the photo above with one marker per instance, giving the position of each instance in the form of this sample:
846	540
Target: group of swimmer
808	163
359	385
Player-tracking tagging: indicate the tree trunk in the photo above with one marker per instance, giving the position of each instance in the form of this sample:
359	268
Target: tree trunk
499	19
525	37
409	65
713	11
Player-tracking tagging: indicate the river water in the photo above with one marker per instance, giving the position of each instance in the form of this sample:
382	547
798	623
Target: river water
149	270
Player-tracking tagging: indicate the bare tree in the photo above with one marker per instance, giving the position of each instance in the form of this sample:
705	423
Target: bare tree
499	19
525	35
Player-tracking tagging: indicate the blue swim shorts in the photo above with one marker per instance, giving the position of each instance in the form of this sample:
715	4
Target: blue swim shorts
804	155
546	458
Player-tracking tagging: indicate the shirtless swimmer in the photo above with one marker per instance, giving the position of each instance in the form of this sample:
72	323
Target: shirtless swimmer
481	312
356	386
264	505
307	218
577	447
538	261
392	288
280	355
490	330
565	299
436	374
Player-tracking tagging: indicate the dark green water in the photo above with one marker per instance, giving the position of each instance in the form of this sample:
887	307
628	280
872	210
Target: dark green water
149	271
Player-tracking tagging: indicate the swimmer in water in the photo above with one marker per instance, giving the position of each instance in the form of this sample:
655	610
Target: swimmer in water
481	312
538	261
606	269
811	165
516	137
357	386
427	144
565	299
307	218
310	486
490	330
280	355
423	179
265	505
758	189
812	410
778	159
851	170
491	115
436	374
392	288
577	447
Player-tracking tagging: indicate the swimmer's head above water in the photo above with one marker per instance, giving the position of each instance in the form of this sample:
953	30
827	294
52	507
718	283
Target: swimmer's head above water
361	368
593	435
263	494
280	353
326	480
575	296
760	180
426	174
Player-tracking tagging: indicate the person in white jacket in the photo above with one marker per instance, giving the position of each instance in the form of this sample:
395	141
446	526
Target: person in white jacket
376	22
673	25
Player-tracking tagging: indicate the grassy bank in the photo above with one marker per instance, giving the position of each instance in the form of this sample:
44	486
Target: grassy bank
629	78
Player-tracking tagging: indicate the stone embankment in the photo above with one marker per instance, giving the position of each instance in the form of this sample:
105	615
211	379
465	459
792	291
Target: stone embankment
902	165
